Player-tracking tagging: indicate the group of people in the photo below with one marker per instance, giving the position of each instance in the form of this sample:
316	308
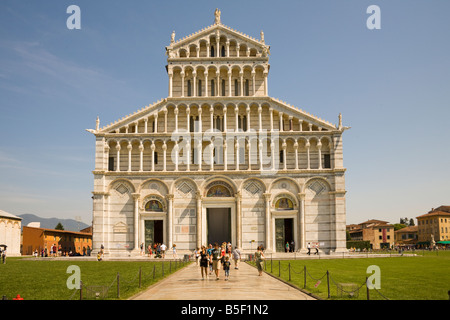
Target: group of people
217	257
289	247
158	250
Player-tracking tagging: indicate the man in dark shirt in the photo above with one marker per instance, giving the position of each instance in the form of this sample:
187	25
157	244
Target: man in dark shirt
215	256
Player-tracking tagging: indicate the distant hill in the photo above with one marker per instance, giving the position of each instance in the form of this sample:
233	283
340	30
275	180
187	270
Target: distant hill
50	223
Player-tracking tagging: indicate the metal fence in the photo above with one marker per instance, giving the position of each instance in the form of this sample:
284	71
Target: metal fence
343	290
120	285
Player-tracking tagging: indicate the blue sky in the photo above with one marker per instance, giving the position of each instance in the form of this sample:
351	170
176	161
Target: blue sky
392	86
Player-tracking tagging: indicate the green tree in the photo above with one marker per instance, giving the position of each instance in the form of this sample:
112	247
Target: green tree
398	226
59	226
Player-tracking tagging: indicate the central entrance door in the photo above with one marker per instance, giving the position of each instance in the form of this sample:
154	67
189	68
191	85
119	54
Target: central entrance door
153	232
283	233
218	225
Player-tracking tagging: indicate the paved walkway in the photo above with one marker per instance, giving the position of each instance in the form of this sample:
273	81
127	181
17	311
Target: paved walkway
243	284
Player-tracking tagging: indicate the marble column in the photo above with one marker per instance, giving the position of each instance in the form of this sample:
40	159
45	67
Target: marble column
141	156
136	197
164	147
238	197
152	148
301	222
175	111
129	147
169	198
198	197
118	157
267	221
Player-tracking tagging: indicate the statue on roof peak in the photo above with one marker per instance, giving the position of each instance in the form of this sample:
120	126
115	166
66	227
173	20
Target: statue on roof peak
217	16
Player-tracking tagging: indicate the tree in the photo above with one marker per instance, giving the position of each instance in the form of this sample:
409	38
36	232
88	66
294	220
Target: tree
411	222
398	226
59	226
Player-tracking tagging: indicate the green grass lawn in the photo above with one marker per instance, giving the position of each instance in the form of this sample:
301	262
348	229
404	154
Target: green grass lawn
46	279
424	277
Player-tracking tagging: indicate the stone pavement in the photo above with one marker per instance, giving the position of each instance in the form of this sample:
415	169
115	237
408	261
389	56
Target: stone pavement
243	284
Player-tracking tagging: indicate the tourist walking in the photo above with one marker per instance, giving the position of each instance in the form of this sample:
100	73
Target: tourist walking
174	250
149	250
226	267
309	249
215	258
236	257
287	247
259	258
204	257
209	251
163	250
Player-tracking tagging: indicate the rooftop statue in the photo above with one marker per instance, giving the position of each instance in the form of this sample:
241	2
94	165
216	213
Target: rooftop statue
217	16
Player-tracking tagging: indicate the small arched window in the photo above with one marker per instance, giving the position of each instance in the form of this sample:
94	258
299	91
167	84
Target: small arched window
212	52
223	52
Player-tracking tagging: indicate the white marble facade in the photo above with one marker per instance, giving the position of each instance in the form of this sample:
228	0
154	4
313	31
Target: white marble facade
219	143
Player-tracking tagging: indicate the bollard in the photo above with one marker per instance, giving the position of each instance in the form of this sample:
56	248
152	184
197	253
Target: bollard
154	269
118	286
279	268
328	284
81	290
289	271
140	276
367	289
304	271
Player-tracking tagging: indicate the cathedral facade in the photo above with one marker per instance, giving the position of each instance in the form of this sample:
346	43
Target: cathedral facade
218	159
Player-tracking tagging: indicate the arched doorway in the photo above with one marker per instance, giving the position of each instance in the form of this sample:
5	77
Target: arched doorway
220	206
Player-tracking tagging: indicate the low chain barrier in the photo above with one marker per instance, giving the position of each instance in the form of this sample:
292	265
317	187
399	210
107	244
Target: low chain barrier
121	285
343	290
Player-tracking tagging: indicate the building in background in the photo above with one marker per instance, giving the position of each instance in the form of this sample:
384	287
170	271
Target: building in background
65	242
406	237
379	233
10	226
434	227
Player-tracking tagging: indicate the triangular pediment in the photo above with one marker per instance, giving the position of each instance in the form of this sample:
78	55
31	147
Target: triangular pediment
224	34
